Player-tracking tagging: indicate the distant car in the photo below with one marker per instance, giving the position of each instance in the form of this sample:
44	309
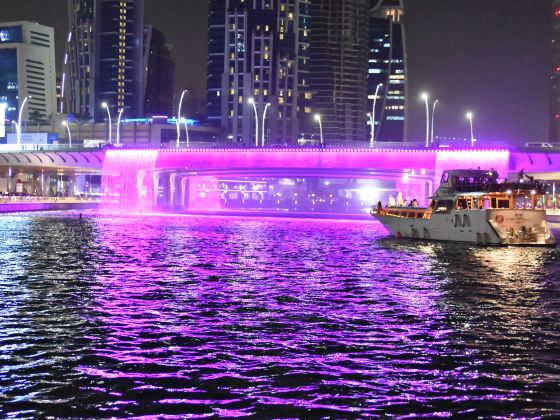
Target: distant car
539	145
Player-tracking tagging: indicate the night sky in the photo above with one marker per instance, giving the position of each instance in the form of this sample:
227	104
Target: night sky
488	56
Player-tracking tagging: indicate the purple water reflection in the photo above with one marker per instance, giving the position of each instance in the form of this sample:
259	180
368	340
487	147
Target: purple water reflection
199	316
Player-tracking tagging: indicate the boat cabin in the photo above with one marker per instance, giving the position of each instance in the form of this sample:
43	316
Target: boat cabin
471	190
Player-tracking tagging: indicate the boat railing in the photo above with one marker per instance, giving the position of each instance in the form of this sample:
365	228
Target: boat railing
404	212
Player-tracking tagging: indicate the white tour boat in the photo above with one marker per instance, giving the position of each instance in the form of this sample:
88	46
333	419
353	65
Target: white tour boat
471	206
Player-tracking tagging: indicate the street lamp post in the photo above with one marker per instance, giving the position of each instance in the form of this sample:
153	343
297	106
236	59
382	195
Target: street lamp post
470	118
119	127
264	116
65	124
372	140
252	102
18	126
432	128
318	119
106	106
179	117
425	99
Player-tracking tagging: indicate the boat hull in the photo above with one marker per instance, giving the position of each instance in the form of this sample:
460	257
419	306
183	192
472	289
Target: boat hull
487	227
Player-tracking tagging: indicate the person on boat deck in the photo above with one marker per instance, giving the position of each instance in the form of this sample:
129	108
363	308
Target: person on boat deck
391	201
379	206
400	201
414	203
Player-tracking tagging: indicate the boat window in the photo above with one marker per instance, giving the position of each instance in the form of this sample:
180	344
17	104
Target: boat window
443	206
461	203
503	203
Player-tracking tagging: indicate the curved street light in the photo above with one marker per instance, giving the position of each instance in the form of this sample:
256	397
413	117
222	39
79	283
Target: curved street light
372	140
18	126
318	119
470	118
65	124
252	102
432	129
104	105
119	127
425	97
264	116
179	117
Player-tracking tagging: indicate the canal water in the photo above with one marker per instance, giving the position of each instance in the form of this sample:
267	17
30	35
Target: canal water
180	317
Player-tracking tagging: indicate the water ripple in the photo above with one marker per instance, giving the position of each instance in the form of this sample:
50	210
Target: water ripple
201	317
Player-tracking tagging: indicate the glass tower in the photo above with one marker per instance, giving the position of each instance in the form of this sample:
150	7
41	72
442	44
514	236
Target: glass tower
339	42
387	66
105	57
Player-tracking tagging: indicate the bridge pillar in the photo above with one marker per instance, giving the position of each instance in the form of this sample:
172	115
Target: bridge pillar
171	185
156	176
184	183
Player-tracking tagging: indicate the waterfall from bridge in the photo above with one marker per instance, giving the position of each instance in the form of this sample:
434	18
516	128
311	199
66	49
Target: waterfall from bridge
128	182
497	160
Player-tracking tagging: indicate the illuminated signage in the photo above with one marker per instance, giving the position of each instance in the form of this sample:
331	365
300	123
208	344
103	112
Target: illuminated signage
2	120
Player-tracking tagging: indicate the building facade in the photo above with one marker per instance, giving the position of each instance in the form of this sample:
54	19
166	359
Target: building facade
555	105
27	69
258	53
159	76
105	60
387	67
339	60
78	86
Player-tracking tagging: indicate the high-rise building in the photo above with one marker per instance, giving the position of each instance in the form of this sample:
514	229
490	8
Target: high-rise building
27	69
555	117
105	57
78	86
339	59
159	76
259	50
387	66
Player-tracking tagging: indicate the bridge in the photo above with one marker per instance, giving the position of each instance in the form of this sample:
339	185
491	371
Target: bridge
141	172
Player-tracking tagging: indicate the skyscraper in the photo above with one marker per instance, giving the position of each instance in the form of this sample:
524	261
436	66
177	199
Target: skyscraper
78	87
105	57
387	66
339	59
159	78
27	69
259	50
555	117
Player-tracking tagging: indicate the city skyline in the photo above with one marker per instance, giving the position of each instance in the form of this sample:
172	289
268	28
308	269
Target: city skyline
468	68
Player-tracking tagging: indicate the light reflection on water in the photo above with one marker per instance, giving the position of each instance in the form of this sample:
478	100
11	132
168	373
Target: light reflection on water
110	316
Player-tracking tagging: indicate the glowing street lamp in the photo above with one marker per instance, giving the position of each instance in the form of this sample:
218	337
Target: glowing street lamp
119	127
318	119
104	105
179	117
425	97
264	116
372	140
432	129
252	102
470	118
18	126
65	124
